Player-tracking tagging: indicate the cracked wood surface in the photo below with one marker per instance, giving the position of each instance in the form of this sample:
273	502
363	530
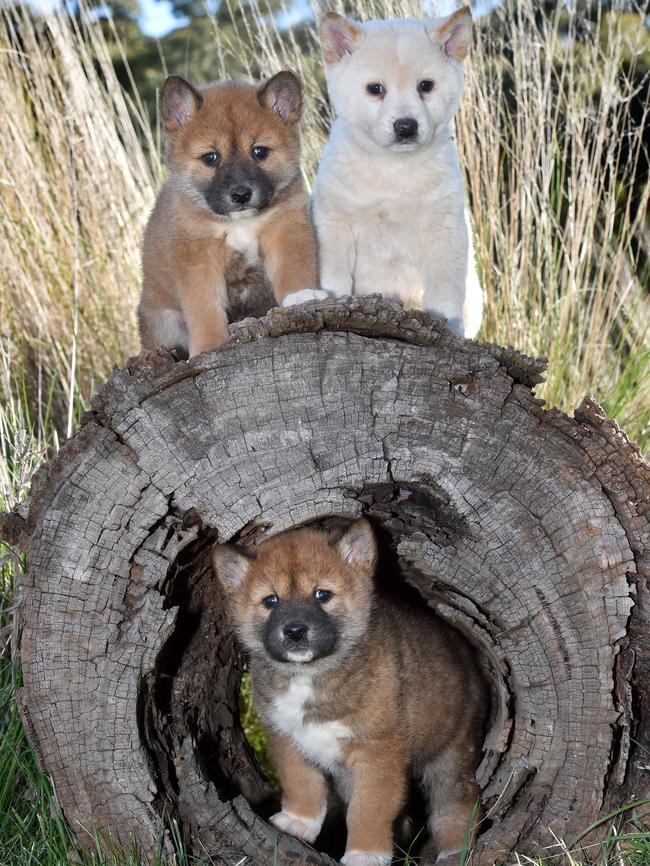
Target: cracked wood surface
525	528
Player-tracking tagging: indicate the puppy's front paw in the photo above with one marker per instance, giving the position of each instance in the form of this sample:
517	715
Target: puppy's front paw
448	858
303	295
367	858
304	828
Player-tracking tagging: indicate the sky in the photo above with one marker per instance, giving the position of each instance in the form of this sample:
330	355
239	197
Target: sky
156	17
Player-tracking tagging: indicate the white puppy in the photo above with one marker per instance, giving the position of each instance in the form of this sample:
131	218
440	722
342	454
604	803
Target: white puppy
389	202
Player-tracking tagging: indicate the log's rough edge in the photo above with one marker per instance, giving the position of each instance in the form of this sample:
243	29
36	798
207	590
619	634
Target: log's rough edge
624	477
625	480
371	316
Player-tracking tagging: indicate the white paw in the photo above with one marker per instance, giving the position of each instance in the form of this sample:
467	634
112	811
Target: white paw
449	858
303	295
304	828
366	858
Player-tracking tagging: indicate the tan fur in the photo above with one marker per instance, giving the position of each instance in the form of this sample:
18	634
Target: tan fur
403	687
304	789
462	14
192	273
348	33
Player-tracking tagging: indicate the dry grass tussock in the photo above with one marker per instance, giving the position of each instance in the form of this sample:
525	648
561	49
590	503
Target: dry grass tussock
75	188
547	137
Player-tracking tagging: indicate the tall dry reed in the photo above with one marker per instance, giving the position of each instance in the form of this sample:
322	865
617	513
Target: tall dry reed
551	147
75	189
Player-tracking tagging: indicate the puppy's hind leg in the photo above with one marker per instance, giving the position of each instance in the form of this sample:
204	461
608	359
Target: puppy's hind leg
163	327
452	793
445	277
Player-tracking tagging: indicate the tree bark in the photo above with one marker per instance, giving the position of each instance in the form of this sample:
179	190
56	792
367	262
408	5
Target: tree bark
526	529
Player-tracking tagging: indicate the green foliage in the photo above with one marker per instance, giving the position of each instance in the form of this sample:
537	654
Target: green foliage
252	727
192	50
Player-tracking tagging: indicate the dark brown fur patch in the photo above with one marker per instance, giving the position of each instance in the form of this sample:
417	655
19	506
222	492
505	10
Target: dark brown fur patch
250	292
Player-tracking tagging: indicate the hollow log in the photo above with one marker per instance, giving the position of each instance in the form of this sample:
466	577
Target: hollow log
526	529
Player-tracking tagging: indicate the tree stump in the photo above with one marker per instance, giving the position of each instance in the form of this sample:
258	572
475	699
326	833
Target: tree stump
524	528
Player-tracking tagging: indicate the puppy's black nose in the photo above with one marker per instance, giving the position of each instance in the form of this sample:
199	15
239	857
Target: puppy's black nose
241	194
406	127
295	630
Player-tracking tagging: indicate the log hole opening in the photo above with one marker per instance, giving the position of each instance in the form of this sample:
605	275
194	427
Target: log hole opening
193	694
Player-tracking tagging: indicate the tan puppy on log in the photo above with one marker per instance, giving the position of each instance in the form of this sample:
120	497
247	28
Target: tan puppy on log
357	688
230	233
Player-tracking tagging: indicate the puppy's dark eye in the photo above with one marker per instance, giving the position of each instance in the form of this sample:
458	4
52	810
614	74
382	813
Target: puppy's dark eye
376	89
260	153
211	158
270	600
322	595
425	86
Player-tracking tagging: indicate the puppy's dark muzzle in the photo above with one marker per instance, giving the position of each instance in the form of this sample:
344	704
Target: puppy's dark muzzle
299	625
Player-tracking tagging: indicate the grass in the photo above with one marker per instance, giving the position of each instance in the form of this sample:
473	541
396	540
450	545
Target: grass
554	242
551	136
76	183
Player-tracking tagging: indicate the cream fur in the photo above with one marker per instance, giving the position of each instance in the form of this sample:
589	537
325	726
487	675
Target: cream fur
390	217
299	825
320	742
304	295
367	858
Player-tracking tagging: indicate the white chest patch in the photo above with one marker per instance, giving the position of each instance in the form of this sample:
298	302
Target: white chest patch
320	742
241	235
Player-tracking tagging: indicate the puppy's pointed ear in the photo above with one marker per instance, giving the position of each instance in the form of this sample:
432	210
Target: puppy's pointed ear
454	35
339	37
282	94
179	101
358	546
231	567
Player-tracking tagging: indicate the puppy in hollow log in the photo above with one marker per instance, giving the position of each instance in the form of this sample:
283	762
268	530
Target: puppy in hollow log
354	688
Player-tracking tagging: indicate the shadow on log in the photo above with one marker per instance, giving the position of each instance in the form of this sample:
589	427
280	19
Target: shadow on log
524	528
